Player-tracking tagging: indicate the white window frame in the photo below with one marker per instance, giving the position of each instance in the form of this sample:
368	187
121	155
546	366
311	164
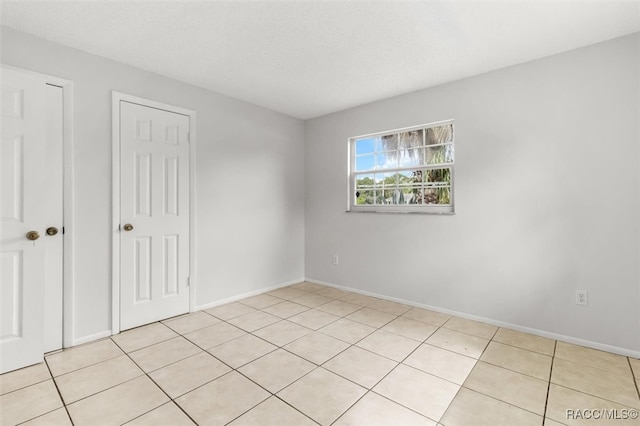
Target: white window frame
398	208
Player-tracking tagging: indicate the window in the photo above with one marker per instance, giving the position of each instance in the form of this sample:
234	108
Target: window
404	170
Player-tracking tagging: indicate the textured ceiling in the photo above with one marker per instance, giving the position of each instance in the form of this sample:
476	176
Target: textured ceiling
310	58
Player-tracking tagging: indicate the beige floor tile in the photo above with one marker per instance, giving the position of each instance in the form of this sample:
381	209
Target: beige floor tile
412	329
141	337
635	366
562	399
285	309
360	366
191	322
388	306
428	395
347	330
333	293
521	360
461	343
308	287
261	301
93	379
596	382
238	352
185	375
57	417
164	353
357	299
282	332
287	293
526	341
339	308
317	347
276	370
230	310
473	408
322	395
222	400
314	319
167	414
24	377
214	335
312	300
375	410
549	422
82	356
30	402
388	344
594	358
254	321
442	363
474	328
132	399
427	316
273	412
371	317
509	386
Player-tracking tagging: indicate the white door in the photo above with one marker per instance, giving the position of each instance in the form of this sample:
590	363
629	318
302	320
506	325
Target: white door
53	207
21	191
154	214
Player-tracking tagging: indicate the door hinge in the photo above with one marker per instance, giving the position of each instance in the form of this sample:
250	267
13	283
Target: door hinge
188	137
63	230
188	281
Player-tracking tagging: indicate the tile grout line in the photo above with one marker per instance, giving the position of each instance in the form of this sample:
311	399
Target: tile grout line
546	401
156	384
64	404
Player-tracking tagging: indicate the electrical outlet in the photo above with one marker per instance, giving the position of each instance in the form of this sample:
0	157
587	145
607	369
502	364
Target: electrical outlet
334	259
581	297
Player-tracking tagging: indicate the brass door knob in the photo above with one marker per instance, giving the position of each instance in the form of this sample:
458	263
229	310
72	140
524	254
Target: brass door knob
33	235
52	230
127	227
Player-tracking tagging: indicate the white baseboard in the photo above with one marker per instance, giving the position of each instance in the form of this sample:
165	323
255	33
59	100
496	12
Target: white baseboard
248	294
555	336
90	338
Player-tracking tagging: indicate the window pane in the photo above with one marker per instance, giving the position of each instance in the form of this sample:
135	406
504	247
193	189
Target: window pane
364	182
437	177
365	146
365	162
364	197
387	179
387	196
410	194
436	195
439	134
405	178
411	157
388	143
411	139
387	160
440	154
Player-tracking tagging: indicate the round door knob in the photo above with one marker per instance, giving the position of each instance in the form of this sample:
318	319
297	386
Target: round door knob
127	227
33	235
52	230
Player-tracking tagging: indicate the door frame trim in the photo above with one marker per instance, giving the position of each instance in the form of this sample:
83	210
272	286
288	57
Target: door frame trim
68	276
118	97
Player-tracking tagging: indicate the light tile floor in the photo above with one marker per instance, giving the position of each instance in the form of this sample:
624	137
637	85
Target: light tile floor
308	354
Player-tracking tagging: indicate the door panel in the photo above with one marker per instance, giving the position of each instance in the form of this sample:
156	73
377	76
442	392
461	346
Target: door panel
21	185
154	199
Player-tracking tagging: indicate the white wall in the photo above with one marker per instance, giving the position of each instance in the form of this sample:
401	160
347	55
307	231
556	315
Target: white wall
547	192
250	180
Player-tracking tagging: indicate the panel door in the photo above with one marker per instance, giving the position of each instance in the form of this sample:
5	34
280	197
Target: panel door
21	191
154	214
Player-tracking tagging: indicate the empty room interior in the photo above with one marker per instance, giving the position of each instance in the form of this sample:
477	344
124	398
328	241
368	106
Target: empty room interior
320	212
